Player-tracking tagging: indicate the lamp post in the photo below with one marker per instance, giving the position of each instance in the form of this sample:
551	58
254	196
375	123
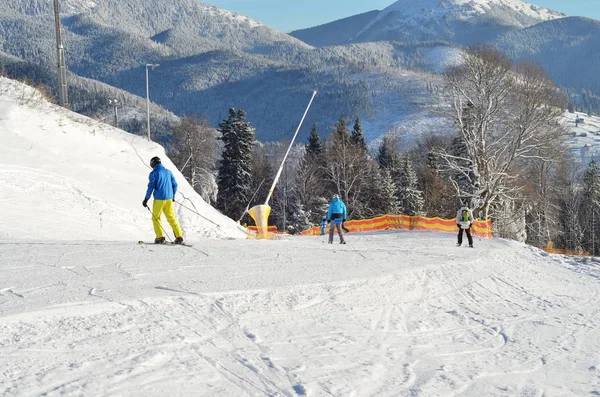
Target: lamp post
152	65
63	96
115	103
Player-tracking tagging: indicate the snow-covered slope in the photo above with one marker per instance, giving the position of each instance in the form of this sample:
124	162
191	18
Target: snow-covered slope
67	177
396	314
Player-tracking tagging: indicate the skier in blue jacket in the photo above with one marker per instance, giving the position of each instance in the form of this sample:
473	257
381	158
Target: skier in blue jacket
323	225
163	184
336	215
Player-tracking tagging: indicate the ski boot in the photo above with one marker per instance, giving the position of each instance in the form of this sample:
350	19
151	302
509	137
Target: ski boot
178	240
159	240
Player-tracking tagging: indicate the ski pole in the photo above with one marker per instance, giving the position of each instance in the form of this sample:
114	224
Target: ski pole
196	212
159	224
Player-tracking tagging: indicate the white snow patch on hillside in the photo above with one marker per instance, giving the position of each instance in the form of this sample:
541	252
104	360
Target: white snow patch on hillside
438	59
232	16
81	179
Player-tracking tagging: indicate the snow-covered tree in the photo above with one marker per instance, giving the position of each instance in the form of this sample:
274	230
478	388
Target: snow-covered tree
309	185
381	192
410	198
234	179
346	170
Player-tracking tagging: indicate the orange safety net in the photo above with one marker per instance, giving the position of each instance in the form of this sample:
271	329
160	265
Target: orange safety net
551	250
405	222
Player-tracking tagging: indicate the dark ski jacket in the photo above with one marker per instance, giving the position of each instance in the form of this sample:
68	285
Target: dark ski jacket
163	183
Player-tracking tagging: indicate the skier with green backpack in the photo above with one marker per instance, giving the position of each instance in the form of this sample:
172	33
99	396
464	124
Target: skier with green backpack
464	221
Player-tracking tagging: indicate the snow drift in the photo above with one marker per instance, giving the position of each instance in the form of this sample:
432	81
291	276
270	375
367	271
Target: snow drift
68	177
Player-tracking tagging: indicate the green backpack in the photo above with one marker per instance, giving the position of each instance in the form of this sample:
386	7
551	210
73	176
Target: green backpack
465	215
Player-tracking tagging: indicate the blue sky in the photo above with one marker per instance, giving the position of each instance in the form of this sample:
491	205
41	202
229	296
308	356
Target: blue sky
287	15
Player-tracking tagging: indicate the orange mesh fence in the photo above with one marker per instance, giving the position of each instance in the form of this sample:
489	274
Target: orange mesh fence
405	222
254	229
273	233
551	250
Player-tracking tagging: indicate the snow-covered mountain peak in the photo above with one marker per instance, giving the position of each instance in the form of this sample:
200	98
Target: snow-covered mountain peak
455	20
436	9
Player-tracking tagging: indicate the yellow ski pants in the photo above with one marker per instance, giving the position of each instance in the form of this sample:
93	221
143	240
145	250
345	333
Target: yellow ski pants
166	206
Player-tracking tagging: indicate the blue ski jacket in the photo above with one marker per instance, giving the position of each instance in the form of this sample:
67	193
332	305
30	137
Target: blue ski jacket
163	183
336	206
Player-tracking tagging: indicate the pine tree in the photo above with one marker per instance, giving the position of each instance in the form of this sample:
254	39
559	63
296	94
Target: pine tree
357	138
388	155
381	192
410	198
341	136
314	147
234	179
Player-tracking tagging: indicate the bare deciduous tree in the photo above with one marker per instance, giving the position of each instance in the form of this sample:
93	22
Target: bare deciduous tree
195	155
505	115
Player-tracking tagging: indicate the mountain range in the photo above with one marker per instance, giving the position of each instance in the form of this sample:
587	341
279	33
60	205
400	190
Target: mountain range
378	66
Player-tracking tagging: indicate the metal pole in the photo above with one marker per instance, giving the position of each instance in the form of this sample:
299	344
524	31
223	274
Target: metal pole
288	151
63	96
152	65
284	208
147	103
115	104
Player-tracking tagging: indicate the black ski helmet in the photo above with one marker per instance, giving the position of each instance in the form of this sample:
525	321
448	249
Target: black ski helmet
154	160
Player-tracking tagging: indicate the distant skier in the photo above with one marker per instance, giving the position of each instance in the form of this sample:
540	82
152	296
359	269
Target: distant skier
323	225
337	215
163	184
464	221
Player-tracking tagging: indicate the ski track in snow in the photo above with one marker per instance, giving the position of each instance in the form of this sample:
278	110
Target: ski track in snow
390	314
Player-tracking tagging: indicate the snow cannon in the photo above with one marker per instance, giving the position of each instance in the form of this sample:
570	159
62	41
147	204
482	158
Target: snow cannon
260	214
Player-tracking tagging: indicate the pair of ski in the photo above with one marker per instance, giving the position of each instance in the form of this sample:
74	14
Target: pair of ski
165	243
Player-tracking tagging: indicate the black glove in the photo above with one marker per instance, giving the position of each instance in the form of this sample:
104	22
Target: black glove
328	221
458	225
145	202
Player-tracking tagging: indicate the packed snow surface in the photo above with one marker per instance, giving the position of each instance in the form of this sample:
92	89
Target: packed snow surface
389	314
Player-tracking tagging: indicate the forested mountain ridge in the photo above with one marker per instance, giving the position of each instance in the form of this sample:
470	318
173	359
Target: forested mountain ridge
211	59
